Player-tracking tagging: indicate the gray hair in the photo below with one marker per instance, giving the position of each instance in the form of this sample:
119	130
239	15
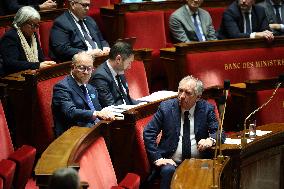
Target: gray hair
198	89
64	178
81	55
25	14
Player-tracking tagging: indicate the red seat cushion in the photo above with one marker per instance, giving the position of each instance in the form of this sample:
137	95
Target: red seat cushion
274	111
237	65
24	158
6	145
137	80
7	170
167	14
216	14
96	166
44	31
43	124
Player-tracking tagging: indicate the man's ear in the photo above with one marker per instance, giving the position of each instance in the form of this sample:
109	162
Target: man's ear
118	59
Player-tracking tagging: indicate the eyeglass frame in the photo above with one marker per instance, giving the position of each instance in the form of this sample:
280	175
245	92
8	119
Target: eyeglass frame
33	26
84	5
82	68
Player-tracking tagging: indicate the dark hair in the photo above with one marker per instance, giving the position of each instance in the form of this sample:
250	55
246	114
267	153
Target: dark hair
64	178
121	48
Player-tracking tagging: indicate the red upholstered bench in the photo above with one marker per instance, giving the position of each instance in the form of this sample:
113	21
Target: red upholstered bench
216	14
44	31
96	168
7	171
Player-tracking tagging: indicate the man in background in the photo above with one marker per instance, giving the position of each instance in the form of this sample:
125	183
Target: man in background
189	128
274	10
75	102
244	19
191	23
74	31
109	78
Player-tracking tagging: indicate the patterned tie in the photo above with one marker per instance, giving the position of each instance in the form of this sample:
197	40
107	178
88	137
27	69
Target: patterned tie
86	36
87	97
197	30
186	143
122	93
248	27
278	18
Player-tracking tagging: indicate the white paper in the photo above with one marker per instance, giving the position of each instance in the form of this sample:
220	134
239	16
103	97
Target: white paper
159	95
235	141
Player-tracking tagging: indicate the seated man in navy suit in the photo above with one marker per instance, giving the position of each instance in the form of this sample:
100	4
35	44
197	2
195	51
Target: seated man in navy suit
244	19
109	78
189	127
74	31
75	102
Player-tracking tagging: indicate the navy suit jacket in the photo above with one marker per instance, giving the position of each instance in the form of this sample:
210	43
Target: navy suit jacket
232	25
14	58
70	107
108	90
66	39
168	120
12	6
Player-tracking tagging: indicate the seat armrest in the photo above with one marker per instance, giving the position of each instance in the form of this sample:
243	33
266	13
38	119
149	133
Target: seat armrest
7	171
24	158
130	181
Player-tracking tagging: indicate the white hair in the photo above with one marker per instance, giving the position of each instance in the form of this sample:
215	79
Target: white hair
25	14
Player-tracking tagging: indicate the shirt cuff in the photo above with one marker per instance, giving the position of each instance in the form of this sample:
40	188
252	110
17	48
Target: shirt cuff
282	27
252	35
213	140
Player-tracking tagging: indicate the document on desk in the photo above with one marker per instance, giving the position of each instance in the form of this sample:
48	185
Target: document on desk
238	140
159	95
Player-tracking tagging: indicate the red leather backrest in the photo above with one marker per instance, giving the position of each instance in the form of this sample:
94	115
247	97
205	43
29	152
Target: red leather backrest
99	3
44	31
142	166
6	146
237	65
167	14
43	125
96	166
137	80
1	183
274	111
7	171
216	14
147	27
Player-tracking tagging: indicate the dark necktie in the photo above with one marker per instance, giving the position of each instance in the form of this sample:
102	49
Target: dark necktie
248	27
278	18
87	97
186	144
86	36
122	93
197	30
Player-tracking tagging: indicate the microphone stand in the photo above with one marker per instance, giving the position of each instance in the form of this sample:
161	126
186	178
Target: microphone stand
244	139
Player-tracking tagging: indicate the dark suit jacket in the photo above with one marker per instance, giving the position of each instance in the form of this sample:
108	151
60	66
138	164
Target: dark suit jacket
232	25
167	120
107	88
14	58
12	6
67	40
70	107
270	14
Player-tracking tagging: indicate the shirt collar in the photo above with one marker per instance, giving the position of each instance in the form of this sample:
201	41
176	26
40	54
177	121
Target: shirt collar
272	3
78	83
190	12
113	72
74	16
191	110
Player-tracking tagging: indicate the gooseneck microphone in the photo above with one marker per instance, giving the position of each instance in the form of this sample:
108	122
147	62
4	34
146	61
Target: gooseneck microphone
222	101
280	81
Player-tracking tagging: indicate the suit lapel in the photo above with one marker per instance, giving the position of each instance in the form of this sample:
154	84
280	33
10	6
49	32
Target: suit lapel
110	75
198	116
93	96
92	32
176	114
76	88
202	18
188	19
72	22
254	20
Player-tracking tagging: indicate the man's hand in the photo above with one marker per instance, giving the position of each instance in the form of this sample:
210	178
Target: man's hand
203	144
95	52
265	34
275	26
105	115
106	50
163	161
46	64
48	5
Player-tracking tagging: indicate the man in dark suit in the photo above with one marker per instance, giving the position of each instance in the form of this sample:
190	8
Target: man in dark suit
191	23
12	6
188	125
109	78
74	31
243	19
274	10
74	102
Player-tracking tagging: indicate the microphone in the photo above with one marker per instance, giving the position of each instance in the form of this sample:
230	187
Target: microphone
280	81
222	101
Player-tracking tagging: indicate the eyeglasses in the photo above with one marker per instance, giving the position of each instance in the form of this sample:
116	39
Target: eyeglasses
33	26
85	5
82	68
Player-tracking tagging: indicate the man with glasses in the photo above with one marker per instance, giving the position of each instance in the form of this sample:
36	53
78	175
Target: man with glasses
109	78
74	31
75	102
